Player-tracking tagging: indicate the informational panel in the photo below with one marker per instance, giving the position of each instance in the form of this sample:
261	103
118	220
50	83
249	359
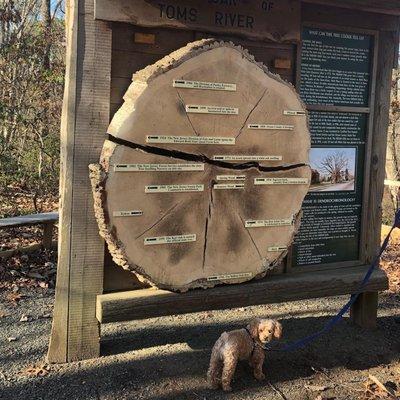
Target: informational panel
275	20
335	71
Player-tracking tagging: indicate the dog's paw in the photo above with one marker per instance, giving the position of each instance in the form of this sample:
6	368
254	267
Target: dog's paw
227	388
259	376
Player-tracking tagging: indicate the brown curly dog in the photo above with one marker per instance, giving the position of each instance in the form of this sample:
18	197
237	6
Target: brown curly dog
241	344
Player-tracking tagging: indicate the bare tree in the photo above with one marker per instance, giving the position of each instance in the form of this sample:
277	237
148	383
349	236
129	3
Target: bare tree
334	165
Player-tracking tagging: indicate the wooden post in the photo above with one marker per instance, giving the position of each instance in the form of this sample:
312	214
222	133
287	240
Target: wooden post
364	310
47	235
75	331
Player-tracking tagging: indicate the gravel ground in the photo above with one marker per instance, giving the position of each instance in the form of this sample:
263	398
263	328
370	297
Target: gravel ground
167	358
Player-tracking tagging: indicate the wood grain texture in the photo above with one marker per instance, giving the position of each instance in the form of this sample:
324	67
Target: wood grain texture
387	41
75	332
365	310
148	303
223	245
277	22
391	7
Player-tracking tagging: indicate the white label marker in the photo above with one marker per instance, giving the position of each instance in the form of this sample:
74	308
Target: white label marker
277	248
181	83
199	109
158	167
230	276
134	213
229	186
190	139
271	127
231	177
261	223
244	157
173	188
170	239
281	181
294	112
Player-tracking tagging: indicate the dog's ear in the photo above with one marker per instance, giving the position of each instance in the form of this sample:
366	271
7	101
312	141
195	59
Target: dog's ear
253	327
277	330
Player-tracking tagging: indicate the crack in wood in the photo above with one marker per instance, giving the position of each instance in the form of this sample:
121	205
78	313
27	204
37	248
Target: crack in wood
160	219
202	158
187	116
248	115
251	237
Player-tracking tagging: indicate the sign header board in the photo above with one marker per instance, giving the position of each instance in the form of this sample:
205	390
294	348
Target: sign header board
274	20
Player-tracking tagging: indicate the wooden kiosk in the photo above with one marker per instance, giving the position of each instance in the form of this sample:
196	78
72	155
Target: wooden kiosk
339	56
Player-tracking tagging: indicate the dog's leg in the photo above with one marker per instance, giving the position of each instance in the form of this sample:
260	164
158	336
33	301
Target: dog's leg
215	369
230	361
257	362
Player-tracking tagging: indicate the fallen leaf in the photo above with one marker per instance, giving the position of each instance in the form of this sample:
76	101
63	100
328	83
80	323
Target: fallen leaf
36	370
24	318
12	339
3	314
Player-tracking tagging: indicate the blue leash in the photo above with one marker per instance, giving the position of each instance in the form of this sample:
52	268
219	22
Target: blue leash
297	344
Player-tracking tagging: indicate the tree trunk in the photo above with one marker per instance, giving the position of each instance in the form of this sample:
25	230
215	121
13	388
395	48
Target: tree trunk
217	189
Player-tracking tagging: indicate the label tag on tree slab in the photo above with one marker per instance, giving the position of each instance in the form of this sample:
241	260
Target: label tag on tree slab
134	213
229	186
199	109
271	127
231	177
244	157
190	139
293	112
158	167
281	181
180	83
229	276
173	188
277	248
261	223
170	239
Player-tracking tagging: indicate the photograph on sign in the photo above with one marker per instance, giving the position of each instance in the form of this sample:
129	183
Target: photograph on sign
333	169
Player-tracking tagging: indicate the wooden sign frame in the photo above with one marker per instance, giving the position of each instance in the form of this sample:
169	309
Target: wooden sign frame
92	58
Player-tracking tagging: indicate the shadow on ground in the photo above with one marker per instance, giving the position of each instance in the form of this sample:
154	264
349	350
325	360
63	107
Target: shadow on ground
169	362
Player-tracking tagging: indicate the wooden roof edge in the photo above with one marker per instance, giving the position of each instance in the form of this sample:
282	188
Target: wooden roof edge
384	7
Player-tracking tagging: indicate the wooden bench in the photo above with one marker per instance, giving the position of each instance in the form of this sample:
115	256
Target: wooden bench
47	219
147	303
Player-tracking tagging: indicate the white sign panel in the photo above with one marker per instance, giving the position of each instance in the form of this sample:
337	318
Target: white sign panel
231	177
170	239
230	276
281	181
293	112
190	139
277	248
158	167
244	157
133	213
173	188
199	109
229	186
183	84
271	127
261	223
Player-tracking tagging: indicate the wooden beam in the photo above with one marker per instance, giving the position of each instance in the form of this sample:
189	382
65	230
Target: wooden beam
75	331
146	303
390	7
47	239
387	41
365	310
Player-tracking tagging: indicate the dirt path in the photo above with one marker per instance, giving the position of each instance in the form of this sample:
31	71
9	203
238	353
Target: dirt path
166	358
